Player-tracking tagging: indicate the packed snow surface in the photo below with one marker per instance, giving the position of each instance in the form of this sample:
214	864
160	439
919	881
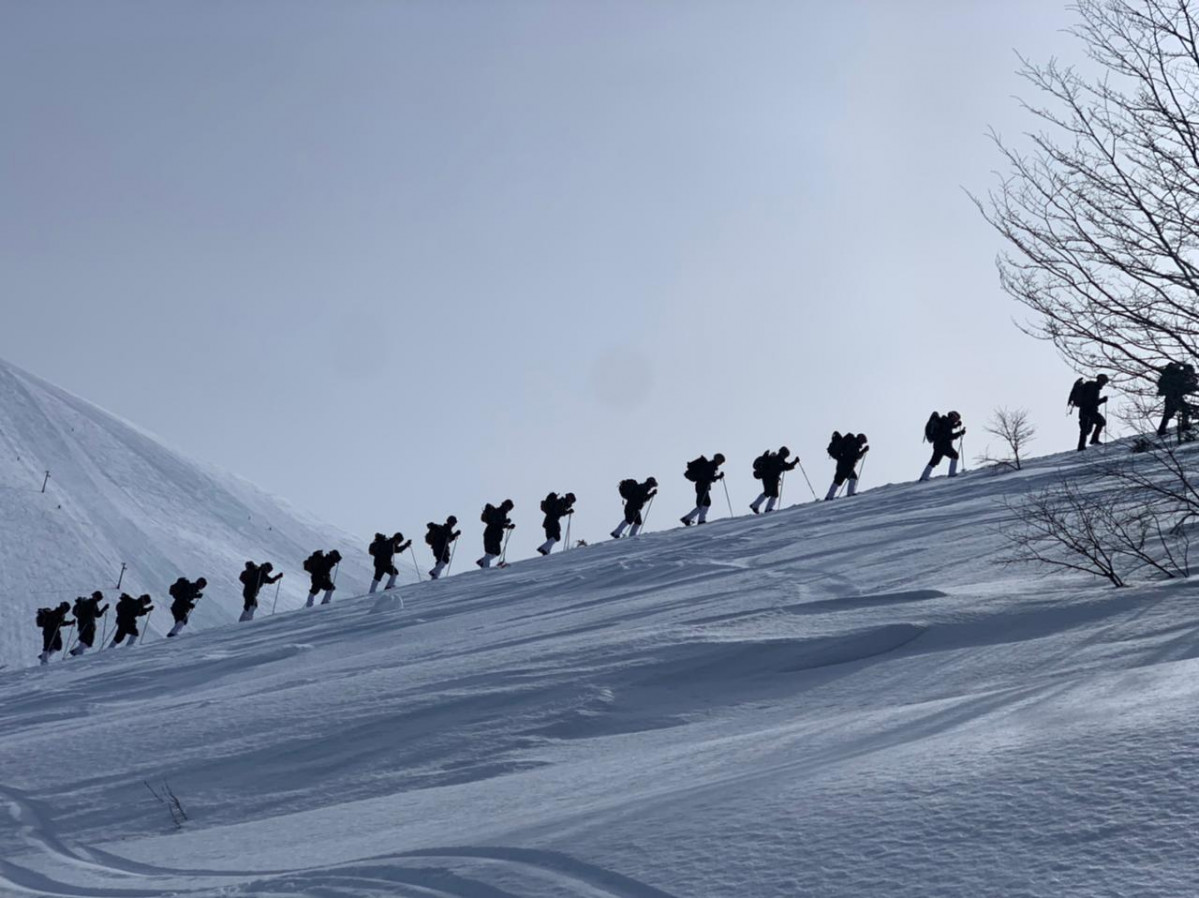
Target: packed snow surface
838	699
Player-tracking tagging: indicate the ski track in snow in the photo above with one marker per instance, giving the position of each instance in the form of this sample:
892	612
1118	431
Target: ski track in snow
836	699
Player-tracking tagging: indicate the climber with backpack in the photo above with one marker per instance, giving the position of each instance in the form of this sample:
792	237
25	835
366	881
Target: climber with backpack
703	472
942	431
635	495
1084	396
384	550
769	468
87	611
495	523
186	594
847	450
320	566
555	508
440	538
253	578
51	621
1176	381
129	610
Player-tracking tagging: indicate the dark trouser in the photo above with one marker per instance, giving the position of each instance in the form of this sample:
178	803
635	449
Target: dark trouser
1089	422
87	633
180	613
441	554
52	639
942	449
385	569
770	486
493	538
320	583
632	513
845	472
703	494
553	528
124	628
1175	405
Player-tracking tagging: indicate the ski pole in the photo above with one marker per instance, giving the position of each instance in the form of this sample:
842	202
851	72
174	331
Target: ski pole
782	482
104	637
70	640
726	496
809	482
415	566
453	549
962	451
504	550
275	604
645	517
142	636
566	545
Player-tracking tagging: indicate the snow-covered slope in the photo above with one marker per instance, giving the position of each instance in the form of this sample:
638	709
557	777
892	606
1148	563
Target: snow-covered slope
844	699
116	495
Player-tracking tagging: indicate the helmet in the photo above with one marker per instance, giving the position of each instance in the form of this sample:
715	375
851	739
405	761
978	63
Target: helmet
398	537
718	458
201	582
954	416
507	503
1102	379
784	451
650	481
335	555
862	438
63	606
97	594
451	520
569	497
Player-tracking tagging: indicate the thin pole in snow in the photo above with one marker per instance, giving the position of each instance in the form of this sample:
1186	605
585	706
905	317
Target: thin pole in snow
726	496
45	481
415	566
275	604
120	576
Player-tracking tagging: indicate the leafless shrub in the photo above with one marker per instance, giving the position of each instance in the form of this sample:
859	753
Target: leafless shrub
1113	533
1014	428
170	801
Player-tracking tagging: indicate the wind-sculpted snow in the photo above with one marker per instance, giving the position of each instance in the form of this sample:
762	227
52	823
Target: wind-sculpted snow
838	699
115	496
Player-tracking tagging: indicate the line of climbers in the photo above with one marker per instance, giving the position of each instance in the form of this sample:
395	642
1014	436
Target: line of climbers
1176	381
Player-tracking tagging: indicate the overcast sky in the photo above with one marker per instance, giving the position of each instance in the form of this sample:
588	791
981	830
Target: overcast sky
391	260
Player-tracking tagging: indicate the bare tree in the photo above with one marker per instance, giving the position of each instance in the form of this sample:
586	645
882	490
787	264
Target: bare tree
1102	214
1014	428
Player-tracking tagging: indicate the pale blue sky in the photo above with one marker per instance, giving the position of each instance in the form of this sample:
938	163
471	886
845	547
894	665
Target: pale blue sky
391	260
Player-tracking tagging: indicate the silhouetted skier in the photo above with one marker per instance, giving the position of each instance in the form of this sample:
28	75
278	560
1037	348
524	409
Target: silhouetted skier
635	496
383	550
320	565
942	431
129	610
1176	381
555	508
440	538
769	468
51	621
253	578
703	473
495	523
1085	395
185	594
87	612
848	450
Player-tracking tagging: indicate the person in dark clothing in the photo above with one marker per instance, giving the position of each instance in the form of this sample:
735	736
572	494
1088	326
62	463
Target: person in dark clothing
51	621
703	473
320	565
383	550
942	431
848	450
495	523
129	610
635	496
769	468
1176	381
185	594
440	538
555	507
1085	396
87	612
253	578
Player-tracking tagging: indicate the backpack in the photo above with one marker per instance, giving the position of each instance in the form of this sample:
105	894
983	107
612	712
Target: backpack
693	468
549	503
431	534
761	463
931	427
250	574
834	445
627	488
1075	393
310	562
488	510
178	588
42	614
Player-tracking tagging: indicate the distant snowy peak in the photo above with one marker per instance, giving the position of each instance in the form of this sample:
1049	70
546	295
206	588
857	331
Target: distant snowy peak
116	496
